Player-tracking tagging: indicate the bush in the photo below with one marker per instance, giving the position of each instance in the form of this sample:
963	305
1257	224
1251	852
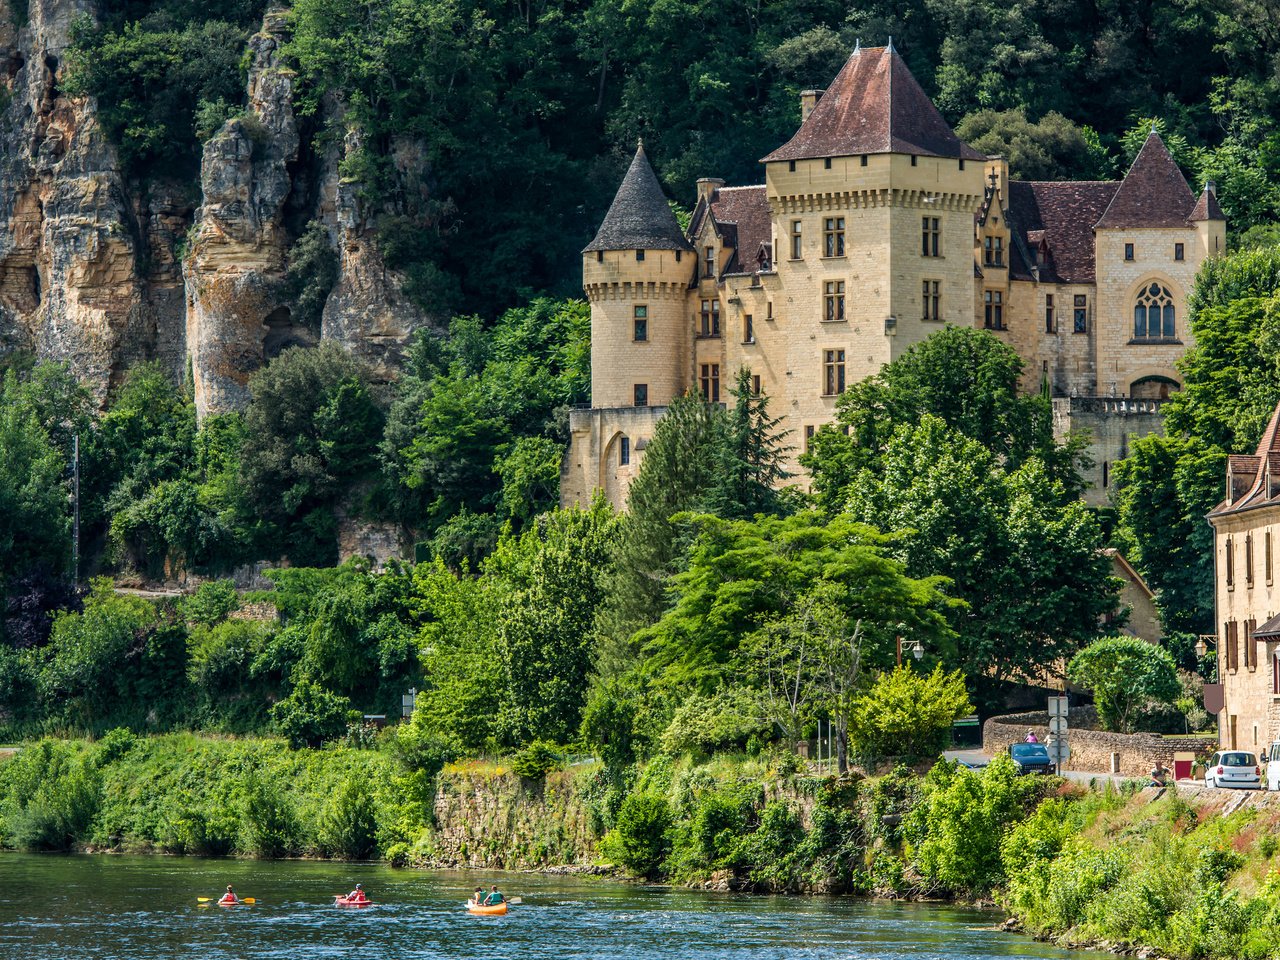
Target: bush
349	828
726	719
1126	676
641	840
536	760
269	824
311	715
49	797
906	714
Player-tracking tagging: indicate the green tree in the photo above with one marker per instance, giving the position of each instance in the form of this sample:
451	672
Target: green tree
1125	674
1053	148
909	714
1025	559
551	584
966	378
750	470
311	430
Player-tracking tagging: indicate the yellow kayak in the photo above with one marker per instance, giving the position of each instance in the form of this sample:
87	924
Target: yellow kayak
479	910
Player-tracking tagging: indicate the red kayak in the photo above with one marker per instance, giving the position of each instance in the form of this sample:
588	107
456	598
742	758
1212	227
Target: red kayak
339	901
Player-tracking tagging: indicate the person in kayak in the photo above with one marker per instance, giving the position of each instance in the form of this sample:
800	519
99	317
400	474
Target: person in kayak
478	897
229	896
494	898
356	895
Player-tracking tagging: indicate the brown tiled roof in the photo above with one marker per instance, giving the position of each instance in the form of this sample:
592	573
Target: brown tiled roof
874	105
639	217
1207	206
1247	474
1153	193
1062	214
742	213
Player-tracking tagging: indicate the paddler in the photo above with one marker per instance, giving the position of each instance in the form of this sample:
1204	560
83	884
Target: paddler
356	895
229	896
494	898
478	897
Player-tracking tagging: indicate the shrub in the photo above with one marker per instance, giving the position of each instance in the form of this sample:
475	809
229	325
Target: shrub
310	715
641	840
1125	675
269	825
536	760
906	714
704	724
349	828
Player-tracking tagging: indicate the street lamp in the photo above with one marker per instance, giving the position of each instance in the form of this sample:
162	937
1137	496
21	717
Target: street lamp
1203	642
915	647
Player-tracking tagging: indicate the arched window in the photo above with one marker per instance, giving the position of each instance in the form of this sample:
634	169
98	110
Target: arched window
1153	314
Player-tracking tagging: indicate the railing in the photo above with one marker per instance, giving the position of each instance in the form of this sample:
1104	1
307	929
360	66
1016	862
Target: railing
1123	405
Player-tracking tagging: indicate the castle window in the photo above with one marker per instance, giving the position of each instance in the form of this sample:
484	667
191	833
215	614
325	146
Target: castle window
709	262
1275	674
826	163
1081	313
864	160
931	299
599	256
833	236
833	298
1179	251
1048	313
993	310
755	384
768	310
993	252
710	318
832	373
639	255
640	323
1233	647
1153	314
748	329
711	382
808	436
1266	550
1128	251
1231	562
1106	474
797	250
624	451
1248	559
678	256
791	166
962	163
913	159
640	393
930	237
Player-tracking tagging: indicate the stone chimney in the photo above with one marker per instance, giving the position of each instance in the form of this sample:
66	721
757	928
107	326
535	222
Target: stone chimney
707	186
808	100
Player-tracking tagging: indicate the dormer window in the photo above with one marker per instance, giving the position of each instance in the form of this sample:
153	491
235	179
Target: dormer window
709	262
993	252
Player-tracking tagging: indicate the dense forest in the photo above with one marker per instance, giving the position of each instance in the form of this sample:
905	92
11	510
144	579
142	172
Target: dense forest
725	610
492	135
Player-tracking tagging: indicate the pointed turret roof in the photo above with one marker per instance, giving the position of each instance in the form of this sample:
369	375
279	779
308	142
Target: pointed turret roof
639	217
1207	206
1153	192
874	105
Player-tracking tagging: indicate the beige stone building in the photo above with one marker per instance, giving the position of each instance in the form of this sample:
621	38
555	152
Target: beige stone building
875	227
1246	527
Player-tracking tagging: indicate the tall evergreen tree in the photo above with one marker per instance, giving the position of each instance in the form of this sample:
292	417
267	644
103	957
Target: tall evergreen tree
750	470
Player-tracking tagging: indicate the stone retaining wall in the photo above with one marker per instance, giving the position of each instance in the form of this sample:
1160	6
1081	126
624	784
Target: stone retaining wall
1092	750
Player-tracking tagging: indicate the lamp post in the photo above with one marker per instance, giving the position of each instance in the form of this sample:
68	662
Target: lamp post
915	647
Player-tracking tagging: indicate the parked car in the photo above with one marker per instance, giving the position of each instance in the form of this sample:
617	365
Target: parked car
1271	766
1233	768
1031	758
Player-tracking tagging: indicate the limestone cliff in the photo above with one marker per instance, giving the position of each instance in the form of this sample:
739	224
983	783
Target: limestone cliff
102	272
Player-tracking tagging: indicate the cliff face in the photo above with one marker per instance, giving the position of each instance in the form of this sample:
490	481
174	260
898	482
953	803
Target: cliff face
91	266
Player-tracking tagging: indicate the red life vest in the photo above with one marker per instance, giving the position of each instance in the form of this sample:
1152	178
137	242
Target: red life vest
229	898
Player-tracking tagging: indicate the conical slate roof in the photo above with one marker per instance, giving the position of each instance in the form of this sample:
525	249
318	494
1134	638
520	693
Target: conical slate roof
639	217
1153	192
874	105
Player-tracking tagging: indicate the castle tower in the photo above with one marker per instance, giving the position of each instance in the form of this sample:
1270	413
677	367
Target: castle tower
1210	222
636	275
872	203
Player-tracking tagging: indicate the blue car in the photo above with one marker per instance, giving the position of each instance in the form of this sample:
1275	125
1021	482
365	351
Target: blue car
1031	758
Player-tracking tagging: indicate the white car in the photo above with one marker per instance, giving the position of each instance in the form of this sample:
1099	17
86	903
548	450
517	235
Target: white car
1234	768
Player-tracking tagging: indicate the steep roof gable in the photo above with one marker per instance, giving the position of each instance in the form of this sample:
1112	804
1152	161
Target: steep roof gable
639	217
1207	206
1060	215
874	105
1152	194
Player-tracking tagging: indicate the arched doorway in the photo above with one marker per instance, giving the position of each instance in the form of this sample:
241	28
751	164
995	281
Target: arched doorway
1154	388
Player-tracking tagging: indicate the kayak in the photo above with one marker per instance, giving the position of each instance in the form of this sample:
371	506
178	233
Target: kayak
497	910
344	902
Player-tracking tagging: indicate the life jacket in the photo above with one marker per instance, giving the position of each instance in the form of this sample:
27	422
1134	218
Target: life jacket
229	898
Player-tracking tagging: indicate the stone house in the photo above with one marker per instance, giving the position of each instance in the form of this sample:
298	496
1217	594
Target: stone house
875	227
1246	533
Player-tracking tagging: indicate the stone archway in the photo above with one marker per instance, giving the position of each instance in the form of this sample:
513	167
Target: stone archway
1154	388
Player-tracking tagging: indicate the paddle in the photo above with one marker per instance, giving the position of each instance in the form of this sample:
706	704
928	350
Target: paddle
217	900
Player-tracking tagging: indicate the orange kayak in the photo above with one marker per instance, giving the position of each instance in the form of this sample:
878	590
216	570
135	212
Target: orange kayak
497	910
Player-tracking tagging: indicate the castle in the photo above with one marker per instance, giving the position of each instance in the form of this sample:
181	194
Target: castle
876	226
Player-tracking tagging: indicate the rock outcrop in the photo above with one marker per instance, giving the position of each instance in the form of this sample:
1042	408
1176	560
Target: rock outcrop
237	309
101	272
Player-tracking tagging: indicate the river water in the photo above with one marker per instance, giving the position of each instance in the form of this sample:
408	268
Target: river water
139	908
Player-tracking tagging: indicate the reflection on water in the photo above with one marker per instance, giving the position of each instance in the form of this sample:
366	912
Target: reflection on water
139	908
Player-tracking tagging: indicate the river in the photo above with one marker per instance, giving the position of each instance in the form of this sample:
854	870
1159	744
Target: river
139	908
